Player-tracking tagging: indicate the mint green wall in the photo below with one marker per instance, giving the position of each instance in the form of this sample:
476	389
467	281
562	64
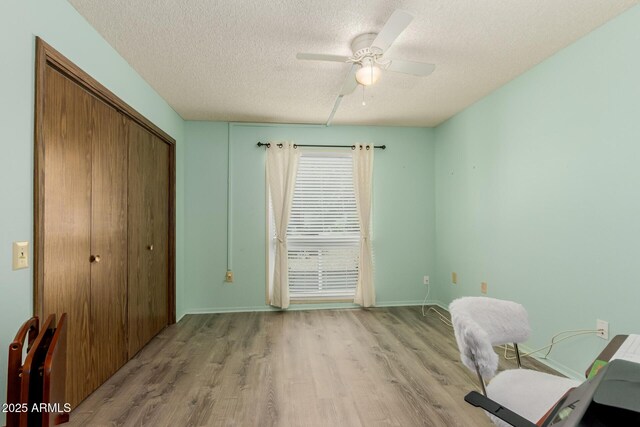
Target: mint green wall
62	27
537	192
403	213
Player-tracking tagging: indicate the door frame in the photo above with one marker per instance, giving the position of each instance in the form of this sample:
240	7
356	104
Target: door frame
47	56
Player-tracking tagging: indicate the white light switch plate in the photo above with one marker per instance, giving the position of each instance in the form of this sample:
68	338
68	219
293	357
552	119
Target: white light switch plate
20	255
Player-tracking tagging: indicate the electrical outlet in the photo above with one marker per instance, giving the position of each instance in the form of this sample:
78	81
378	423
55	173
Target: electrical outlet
425	280
228	277
483	287
603	329
454	277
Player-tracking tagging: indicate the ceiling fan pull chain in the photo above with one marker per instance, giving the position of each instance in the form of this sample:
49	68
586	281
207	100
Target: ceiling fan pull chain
363	103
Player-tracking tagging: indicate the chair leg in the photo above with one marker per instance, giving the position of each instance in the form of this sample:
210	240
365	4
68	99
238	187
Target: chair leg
482	386
515	346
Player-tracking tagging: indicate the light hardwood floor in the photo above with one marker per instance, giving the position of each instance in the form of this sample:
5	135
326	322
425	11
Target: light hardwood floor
383	366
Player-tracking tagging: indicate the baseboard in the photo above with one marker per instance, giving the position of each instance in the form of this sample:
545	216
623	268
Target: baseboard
218	310
406	303
295	307
439	304
556	366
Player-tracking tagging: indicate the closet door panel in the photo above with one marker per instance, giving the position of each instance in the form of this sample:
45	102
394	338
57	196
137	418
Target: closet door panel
148	230
67	223
108	242
159	234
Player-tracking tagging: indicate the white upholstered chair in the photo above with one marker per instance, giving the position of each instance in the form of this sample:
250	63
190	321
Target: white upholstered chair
481	323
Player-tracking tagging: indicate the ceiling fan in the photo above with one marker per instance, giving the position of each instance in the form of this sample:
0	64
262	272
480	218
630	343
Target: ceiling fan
368	56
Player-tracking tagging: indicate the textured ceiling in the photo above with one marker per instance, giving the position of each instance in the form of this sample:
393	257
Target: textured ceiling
235	60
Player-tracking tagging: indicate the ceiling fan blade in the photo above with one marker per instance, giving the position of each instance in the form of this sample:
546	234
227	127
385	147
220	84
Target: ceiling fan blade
321	57
396	24
410	67
350	82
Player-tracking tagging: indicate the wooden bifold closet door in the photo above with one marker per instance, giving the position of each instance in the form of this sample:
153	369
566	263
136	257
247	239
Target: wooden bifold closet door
104	243
148	245
86	231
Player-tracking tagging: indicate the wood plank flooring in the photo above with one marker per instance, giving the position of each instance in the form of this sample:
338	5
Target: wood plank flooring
375	367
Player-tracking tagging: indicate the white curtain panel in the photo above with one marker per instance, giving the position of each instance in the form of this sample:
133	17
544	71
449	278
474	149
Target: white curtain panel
363	177
282	166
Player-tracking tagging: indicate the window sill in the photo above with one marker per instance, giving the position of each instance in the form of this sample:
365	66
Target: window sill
321	300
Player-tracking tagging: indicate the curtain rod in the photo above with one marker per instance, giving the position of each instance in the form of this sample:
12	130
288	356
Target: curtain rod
353	147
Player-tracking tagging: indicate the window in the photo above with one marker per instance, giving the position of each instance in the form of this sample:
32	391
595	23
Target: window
323	236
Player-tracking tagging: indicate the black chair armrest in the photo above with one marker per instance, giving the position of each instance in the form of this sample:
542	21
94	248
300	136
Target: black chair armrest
478	400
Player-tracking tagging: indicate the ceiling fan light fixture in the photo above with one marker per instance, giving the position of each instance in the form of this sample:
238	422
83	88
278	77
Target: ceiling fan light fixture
368	74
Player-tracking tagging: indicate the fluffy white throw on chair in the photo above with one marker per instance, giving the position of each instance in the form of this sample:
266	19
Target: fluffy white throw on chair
527	392
481	323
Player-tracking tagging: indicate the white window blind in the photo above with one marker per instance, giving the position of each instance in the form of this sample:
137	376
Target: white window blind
323	234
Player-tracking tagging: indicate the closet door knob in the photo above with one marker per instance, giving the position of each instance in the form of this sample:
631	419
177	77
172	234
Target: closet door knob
94	258
150	247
